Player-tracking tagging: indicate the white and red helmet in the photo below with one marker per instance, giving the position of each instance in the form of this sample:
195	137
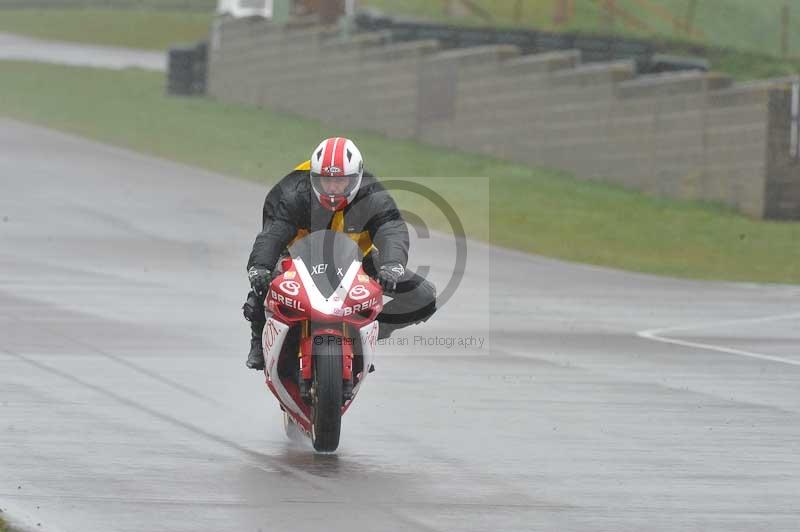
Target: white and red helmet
336	157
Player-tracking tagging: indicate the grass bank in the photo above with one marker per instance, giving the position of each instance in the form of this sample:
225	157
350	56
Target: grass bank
744	34
743	24
535	210
154	29
4	526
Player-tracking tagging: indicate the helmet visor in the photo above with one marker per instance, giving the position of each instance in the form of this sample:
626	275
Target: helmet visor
334	185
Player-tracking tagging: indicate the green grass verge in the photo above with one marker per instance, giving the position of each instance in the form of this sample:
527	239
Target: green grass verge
152	29
744	66
531	209
3	526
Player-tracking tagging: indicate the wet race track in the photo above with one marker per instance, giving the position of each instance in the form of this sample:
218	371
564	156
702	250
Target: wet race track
599	400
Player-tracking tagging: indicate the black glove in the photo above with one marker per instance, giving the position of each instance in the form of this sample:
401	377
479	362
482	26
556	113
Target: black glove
259	280
389	275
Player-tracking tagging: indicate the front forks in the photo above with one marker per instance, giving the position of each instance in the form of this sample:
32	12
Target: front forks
306	373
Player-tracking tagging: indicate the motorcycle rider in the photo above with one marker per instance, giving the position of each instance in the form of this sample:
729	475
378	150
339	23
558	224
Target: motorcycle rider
332	191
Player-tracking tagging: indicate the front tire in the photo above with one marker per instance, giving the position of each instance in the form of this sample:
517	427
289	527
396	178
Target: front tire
326	394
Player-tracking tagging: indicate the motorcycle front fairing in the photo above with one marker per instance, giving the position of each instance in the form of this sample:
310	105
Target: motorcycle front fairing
324	291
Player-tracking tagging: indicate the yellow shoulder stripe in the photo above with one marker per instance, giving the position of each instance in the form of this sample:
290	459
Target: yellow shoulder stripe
304	166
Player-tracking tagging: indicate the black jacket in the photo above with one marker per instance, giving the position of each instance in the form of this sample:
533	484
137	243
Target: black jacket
291	210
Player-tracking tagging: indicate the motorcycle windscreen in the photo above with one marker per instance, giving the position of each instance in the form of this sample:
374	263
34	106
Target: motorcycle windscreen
327	255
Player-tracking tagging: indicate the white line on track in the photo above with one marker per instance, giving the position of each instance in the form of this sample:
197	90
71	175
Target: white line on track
656	335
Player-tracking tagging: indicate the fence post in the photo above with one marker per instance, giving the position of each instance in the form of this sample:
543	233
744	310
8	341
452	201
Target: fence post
518	11
785	15
794	133
610	8
560	12
691	9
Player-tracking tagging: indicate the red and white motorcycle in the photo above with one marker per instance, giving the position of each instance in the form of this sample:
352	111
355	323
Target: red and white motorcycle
320	336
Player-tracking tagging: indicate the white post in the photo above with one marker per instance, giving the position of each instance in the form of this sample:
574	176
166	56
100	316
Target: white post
794	134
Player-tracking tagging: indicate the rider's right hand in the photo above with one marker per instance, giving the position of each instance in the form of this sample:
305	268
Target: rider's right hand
259	280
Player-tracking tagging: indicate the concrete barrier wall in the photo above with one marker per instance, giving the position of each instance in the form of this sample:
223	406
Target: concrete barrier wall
689	135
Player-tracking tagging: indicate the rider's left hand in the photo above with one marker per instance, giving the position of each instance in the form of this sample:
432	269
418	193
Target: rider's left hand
259	280
389	275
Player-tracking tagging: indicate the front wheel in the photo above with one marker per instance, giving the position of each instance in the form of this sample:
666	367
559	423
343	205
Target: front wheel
326	394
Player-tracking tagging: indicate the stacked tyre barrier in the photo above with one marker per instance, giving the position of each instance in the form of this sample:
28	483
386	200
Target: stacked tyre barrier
187	70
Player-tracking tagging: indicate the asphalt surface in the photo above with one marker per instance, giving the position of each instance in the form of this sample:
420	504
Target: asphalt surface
22	48
125	403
